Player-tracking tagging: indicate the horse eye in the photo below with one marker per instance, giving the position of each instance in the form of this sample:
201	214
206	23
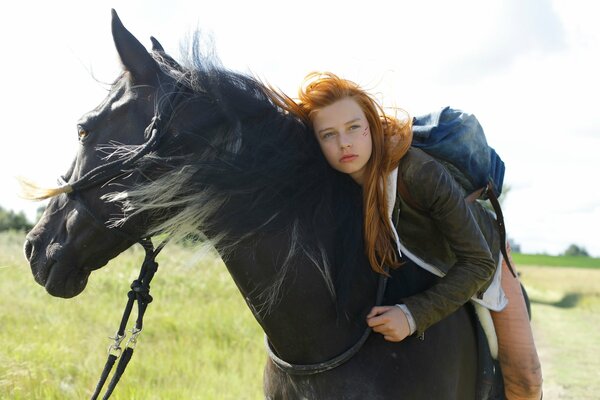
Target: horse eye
82	133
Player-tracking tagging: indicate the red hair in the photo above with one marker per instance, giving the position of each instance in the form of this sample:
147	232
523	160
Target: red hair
391	140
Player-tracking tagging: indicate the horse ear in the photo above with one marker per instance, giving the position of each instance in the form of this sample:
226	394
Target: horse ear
133	54
156	46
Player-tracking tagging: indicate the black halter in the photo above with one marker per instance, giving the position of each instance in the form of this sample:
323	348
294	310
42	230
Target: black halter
140	287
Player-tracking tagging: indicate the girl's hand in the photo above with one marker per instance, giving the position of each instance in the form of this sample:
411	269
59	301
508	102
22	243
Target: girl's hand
390	321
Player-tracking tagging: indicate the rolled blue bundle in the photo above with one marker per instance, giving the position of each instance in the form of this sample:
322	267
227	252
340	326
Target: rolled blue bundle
457	138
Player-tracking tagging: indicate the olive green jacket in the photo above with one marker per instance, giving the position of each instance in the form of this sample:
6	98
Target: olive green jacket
448	236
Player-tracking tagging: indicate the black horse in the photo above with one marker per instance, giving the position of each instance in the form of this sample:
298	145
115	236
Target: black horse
193	148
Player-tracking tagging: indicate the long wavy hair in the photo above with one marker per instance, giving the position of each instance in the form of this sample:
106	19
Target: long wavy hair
391	140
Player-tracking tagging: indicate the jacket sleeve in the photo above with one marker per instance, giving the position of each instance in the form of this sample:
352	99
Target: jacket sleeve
436	191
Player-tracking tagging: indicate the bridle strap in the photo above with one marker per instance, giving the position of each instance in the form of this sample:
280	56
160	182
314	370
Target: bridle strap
98	222
311	369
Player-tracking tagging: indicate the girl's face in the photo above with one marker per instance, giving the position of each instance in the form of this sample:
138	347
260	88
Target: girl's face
343	133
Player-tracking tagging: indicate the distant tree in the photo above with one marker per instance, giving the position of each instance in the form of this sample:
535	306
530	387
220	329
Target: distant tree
11	220
574	250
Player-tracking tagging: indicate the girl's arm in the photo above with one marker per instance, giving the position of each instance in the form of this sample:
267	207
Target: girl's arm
435	190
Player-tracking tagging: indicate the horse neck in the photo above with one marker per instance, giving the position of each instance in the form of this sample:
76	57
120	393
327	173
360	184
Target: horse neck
305	324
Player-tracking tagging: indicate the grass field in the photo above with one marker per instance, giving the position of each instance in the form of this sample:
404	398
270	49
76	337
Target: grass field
553	261
201	342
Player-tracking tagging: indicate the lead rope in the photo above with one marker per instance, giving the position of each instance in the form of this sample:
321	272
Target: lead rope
140	292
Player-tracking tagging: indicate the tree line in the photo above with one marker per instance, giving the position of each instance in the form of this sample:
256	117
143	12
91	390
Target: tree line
10	220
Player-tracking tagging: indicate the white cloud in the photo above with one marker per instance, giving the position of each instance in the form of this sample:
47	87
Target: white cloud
516	29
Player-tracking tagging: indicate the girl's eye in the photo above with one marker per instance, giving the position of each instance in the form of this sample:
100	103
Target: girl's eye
353	127
327	135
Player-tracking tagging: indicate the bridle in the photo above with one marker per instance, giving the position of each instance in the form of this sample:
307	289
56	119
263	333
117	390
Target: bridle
140	287
139	293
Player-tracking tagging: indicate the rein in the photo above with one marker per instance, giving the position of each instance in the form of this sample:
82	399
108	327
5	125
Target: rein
140	293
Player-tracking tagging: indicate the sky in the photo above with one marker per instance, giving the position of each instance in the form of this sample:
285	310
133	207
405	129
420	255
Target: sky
528	70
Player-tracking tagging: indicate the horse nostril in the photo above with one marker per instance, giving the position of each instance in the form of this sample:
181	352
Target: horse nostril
28	249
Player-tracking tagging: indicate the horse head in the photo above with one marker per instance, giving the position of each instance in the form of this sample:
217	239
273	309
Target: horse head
72	238
189	148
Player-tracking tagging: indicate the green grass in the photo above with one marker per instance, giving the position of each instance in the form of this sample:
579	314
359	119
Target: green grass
566	318
556	261
201	342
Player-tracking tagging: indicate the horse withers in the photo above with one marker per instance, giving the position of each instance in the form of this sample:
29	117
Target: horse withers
206	151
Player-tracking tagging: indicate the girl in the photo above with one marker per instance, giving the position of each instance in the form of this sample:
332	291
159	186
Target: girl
457	238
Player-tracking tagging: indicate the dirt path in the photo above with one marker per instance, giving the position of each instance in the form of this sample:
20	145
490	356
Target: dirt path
552	389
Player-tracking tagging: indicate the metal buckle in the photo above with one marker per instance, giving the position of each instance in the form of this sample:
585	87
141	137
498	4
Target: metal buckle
115	348
132	342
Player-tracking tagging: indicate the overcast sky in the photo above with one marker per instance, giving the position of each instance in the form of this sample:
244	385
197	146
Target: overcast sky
527	69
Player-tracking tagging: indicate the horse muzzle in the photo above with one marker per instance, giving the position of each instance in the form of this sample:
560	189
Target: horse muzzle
59	277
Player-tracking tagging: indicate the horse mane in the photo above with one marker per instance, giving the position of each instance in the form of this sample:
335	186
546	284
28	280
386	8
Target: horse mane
242	168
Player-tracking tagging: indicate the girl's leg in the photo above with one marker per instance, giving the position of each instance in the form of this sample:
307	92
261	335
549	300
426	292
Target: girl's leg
516	350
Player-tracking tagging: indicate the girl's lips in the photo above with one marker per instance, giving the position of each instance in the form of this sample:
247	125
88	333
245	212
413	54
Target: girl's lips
349	158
